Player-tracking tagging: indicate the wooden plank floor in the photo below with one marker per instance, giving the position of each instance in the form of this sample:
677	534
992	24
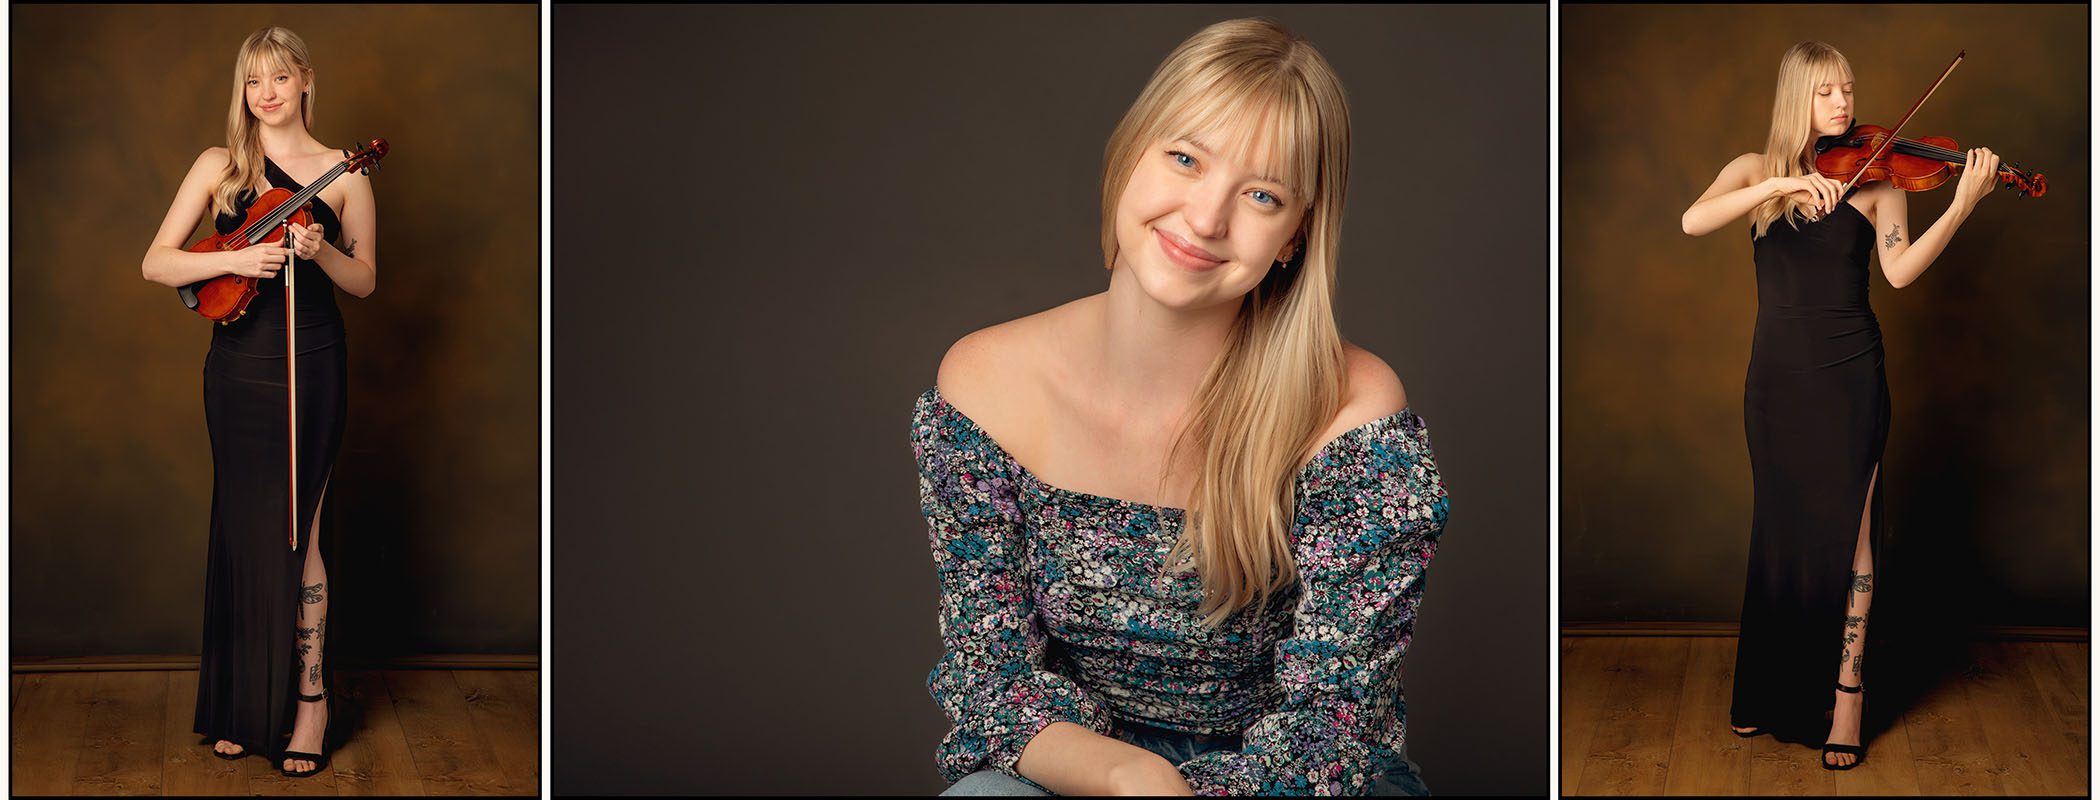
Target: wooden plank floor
1649	715
420	732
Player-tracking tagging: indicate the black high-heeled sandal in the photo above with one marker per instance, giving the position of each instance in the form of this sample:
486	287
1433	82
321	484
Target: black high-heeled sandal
320	759
1857	751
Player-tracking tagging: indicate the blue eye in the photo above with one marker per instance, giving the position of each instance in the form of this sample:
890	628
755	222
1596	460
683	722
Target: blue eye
1272	201
1182	158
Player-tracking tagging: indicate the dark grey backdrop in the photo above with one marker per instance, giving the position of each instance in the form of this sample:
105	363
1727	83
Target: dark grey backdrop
772	222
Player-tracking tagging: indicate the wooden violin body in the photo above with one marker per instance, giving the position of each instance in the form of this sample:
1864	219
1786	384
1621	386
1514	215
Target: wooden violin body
225	298
1913	165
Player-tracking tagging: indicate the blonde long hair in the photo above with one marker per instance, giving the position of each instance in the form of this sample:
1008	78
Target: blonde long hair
277	48
1279	380
1801	70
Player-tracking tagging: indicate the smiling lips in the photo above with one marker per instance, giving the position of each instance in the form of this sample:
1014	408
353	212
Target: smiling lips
273	106
1183	253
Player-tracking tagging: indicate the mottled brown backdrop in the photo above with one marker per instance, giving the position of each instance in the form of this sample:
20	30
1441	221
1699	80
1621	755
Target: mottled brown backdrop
436	492
1986	466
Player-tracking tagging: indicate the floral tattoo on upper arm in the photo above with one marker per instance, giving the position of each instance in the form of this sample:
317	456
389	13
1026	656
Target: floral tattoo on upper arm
1895	235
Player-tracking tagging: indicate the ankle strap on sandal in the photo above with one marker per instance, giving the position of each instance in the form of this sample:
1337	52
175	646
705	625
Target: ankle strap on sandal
315	698
1851	689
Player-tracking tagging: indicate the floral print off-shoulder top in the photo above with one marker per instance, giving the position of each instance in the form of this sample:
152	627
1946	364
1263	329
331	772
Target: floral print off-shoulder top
1053	607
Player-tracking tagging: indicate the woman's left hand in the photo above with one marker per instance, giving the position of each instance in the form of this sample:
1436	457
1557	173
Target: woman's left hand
306	241
1978	177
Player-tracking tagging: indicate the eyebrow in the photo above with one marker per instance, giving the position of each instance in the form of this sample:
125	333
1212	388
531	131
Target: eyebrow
1209	152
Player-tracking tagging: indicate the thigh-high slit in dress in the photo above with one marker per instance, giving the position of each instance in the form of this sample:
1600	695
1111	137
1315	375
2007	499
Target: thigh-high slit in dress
1816	411
248	676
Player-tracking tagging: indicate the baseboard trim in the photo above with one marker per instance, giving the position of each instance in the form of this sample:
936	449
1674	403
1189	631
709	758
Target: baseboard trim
2020	633
28	664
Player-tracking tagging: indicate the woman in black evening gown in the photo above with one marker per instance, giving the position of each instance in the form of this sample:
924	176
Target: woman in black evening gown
261	686
1816	403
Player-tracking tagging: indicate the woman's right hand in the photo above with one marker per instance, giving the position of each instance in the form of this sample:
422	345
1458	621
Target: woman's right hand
1822	194
262	261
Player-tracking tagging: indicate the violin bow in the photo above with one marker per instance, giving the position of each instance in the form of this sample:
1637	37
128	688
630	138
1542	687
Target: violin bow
1898	130
291	373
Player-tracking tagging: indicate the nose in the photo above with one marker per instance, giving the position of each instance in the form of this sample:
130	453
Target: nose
1207	208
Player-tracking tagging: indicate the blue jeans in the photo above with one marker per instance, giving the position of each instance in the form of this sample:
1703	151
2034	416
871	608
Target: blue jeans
1402	778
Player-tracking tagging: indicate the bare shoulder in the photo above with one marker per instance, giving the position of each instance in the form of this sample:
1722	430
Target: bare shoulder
1373	391
357	179
974	363
353	193
211	162
1878	198
1747	168
992	374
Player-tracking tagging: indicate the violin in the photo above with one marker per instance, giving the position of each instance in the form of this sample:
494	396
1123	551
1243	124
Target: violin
1913	165
1868	153
225	298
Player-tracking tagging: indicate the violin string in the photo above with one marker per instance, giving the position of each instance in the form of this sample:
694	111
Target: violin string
1952	156
298	199
1940	152
1923	149
283	210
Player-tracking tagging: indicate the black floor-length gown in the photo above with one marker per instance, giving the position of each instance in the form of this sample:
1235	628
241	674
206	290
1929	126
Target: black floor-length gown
1816	411
247	680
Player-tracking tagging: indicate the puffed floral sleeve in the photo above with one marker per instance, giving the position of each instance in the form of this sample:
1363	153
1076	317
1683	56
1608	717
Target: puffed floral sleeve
991	680
1370	510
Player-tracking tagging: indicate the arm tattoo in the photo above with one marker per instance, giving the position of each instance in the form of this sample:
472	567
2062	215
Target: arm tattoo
351	248
1895	235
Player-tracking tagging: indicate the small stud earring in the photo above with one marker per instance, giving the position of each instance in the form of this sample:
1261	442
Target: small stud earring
1296	253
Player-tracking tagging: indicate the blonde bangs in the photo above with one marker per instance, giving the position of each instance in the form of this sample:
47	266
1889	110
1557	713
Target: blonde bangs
272	56
1258	122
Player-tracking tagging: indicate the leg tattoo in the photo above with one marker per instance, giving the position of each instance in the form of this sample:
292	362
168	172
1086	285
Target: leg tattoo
313	602
316	636
1856	627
